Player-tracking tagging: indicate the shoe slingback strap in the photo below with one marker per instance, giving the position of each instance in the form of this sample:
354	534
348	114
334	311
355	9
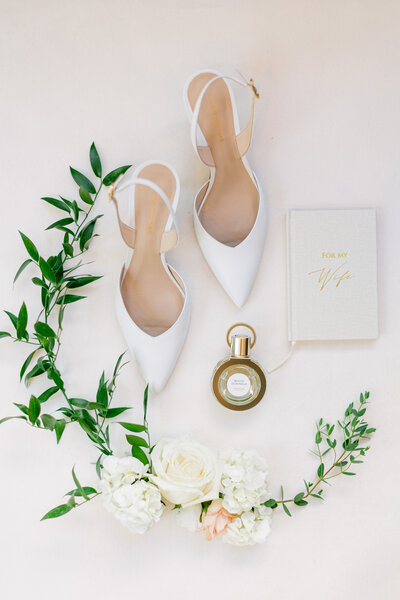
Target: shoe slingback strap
243	139
169	239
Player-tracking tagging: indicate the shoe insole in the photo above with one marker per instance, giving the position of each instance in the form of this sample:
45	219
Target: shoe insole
230	210
151	297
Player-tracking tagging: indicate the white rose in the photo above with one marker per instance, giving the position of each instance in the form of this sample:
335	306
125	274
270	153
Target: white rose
244	480
138	506
251	527
189	517
119	471
185	471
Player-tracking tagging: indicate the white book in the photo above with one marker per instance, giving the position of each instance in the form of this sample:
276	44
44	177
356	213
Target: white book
332	275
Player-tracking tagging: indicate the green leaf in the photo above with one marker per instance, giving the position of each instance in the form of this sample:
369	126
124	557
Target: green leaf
114	412
85	196
22	321
47	271
145	401
34	409
79	402
370	430
70	298
22	408
132	426
22	267
68	249
39	282
271	503
4	334
318	437
299	500
87	233
287	511
57	203
81	180
76	210
8	418
78	485
26	364
88	491
138	453
55	376
48	422
347	473
113	175
60	224
321	470
349	447
95	161
135	440
44	329
59	428
59	511
30	247
317	496
102	395
44	396
78	282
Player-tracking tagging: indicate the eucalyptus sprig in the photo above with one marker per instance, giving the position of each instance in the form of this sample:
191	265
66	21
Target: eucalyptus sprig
355	431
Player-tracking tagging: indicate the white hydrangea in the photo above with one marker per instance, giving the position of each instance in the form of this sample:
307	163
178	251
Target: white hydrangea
251	527
133	501
119	471
244	480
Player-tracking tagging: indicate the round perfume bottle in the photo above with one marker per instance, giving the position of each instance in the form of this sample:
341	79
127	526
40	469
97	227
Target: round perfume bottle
238	381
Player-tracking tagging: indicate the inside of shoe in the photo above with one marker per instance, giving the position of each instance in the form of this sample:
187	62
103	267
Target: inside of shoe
152	293
231	207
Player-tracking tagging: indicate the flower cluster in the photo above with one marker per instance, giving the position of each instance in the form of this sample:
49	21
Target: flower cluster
219	495
128	494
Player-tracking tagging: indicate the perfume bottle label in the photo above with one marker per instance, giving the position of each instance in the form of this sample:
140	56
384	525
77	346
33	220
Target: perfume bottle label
238	384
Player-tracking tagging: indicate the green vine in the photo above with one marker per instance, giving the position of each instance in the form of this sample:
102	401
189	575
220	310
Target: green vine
57	278
355	430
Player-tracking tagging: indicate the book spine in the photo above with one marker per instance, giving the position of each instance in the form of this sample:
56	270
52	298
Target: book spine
289	264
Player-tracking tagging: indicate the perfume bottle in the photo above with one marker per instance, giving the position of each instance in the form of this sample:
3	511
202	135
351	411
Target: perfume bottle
238	381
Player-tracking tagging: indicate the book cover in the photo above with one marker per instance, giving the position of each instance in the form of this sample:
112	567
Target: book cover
332	274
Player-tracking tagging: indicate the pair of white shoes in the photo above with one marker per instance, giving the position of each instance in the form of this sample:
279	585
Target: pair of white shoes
152	300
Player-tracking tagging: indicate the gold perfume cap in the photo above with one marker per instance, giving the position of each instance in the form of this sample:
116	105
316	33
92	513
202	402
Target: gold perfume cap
240	346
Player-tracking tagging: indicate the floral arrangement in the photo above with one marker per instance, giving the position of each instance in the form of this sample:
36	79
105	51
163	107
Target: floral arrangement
226	494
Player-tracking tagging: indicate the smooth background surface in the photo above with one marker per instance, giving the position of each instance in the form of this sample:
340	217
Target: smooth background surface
327	135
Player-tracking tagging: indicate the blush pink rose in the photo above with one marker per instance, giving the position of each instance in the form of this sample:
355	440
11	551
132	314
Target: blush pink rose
216	519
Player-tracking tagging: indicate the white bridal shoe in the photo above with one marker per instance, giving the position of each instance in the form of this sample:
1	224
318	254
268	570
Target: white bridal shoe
229	210
152	300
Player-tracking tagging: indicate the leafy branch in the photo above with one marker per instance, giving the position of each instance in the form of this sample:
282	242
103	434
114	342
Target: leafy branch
355	431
